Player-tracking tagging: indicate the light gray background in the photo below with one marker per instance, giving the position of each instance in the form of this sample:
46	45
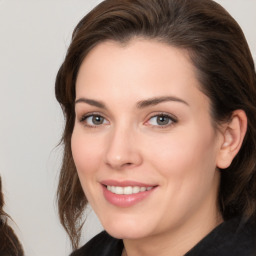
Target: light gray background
34	35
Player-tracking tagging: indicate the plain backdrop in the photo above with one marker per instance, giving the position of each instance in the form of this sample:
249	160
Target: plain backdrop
34	36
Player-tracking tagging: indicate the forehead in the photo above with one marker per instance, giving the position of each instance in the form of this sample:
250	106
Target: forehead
138	53
139	69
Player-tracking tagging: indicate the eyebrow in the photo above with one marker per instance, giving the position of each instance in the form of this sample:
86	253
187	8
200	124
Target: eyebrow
141	104
158	100
91	102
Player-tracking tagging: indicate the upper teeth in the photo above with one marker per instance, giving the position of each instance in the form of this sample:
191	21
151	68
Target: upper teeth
127	190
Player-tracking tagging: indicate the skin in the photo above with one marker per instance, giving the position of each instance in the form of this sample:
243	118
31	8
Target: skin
180	157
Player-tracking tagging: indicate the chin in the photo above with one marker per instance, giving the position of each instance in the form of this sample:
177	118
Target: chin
126	234
127	229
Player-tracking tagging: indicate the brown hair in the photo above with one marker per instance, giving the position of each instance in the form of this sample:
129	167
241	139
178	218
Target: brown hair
9	243
225	69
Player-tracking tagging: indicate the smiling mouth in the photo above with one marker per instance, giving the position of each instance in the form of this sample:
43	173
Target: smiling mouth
126	193
129	190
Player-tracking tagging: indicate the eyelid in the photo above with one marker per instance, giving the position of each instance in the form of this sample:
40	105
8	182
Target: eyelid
173	119
83	117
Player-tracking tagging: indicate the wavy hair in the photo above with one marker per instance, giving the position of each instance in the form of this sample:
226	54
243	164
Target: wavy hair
9	243
224	67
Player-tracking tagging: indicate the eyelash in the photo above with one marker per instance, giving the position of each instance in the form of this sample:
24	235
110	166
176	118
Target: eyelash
171	120
84	117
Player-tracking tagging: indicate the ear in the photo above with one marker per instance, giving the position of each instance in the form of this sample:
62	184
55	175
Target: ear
233	133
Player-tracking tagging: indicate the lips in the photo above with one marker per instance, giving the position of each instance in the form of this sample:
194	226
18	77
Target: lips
126	193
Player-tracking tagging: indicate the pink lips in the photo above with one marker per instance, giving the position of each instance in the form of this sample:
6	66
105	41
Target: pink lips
125	200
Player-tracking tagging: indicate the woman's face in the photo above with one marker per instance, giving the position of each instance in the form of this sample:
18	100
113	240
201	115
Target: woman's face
143	141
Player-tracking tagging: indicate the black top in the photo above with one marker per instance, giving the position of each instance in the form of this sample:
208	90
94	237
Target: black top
231	238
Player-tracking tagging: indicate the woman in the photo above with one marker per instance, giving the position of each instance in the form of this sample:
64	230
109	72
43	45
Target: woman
9	243
160	134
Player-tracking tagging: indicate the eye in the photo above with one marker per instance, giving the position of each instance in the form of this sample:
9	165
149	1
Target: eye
93	120
161	120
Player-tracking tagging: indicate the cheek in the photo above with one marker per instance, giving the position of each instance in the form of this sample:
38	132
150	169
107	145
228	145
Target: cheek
184	155
86	151
186	163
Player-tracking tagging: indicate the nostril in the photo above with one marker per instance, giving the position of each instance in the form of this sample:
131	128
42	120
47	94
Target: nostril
127	164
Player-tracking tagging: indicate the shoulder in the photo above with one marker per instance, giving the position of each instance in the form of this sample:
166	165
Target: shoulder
101	245
234	237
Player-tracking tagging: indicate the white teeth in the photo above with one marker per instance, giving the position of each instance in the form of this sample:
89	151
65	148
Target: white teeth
135	190
119	190
143	189
127	190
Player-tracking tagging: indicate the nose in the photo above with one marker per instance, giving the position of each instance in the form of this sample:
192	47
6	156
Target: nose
122	149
